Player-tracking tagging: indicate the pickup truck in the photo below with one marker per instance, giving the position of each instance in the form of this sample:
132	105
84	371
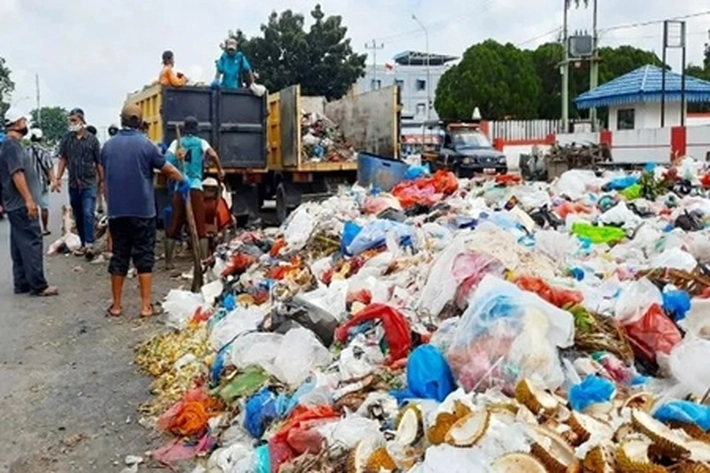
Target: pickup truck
260	139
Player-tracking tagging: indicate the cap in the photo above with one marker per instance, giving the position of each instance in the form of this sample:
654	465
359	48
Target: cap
131	111
167	55
210	182
36	133
13	116
191	121
91	129
77	112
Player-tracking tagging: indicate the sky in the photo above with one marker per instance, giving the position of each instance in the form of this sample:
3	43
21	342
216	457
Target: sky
92	53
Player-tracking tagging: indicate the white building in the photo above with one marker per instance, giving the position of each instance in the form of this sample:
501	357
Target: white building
418	89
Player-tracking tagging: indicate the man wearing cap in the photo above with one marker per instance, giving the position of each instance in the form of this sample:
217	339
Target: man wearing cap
230	67
45	169
189	156
128	160
21	190
79	151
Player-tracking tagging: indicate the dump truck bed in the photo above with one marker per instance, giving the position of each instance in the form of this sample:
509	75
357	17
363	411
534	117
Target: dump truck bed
370	122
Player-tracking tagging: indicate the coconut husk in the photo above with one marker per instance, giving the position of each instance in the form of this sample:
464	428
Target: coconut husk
694	282
594	332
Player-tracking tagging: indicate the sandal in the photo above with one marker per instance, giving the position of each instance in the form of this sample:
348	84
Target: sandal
110	313
48	292
154	310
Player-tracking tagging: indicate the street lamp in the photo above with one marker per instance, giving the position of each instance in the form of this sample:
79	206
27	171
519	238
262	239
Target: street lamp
428	68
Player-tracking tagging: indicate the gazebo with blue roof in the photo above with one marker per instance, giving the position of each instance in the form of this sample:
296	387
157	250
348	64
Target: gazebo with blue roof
634	99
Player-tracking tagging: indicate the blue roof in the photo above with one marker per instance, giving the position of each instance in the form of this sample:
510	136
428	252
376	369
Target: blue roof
644	85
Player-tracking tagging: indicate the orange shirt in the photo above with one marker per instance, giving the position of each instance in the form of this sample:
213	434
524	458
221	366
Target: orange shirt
169	77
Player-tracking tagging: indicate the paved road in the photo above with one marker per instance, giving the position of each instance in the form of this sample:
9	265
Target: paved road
68	388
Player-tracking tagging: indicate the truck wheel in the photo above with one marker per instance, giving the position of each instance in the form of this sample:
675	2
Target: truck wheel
288	197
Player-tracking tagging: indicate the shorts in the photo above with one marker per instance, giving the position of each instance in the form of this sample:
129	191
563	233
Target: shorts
44	200
132	238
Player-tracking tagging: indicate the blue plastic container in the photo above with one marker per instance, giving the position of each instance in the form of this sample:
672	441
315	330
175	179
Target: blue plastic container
380	172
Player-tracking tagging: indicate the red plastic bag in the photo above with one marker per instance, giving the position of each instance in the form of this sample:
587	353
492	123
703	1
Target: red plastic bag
397	331
189	416
556	296
426	190
239	263
653	333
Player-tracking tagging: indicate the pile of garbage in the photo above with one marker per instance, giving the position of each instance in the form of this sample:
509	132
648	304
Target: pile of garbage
451	325
323	140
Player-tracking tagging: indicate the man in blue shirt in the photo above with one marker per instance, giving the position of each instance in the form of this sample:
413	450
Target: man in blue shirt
230	67
128	160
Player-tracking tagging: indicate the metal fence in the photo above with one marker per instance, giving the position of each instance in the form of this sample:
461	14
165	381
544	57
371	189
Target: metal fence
523	129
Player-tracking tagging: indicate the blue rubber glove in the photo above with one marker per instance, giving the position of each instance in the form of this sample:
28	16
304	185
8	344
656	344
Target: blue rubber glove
184	188
215	85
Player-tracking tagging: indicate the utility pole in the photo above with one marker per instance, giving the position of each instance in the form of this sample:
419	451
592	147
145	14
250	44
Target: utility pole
39	109
428	66
594	62
565	68
374	47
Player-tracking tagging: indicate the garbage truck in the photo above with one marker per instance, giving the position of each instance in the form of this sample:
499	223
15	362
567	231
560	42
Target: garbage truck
265	143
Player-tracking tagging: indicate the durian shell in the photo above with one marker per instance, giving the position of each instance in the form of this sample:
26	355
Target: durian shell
691	467
550	460
667	447
462	421
436	434
380	460
419	419
624	464
525	395
643	401
691	429
597	460
517	463
577	423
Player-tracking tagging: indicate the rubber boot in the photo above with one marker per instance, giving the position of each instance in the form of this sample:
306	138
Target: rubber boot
204	248
169	253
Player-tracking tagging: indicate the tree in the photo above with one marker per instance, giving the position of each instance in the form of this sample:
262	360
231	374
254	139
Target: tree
53	122
499	79
6	87
321	59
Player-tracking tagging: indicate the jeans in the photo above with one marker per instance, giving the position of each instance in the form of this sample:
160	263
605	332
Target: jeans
26	250
83	205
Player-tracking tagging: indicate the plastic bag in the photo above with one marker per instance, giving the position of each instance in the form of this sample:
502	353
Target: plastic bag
374	234
688	364
235	323
574	183
469	269
593	390
299	228
180	307
674	258
428	375
331	299
558	297
597	235
189	416
396	327
676	304
558	246
654	333
298	354
441	283
350	431
686	412
499	317
635	299
261	410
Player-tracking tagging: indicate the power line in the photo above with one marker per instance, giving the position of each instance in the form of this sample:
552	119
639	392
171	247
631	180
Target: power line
543	35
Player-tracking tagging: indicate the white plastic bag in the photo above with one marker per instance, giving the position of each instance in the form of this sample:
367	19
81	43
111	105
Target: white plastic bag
556	245
441	283
257	89
180	306
234	324
299	228
688	364
299	353
635	299
332	299
674	258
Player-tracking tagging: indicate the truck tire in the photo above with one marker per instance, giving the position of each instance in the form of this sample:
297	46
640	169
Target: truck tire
288	197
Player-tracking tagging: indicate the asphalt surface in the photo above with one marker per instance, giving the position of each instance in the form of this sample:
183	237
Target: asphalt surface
69	391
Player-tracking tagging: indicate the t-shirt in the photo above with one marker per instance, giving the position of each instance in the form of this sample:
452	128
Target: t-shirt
129	159
14	158
43	164
82	155
193	165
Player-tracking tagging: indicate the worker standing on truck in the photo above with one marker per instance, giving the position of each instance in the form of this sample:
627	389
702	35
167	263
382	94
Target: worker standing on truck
168	76
189	156
230	67
128	160
79	151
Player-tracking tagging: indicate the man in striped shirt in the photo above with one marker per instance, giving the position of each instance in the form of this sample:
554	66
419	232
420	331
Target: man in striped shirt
44	167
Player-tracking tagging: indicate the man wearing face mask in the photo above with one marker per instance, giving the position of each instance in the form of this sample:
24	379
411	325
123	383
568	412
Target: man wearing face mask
21	191
230	67
80	151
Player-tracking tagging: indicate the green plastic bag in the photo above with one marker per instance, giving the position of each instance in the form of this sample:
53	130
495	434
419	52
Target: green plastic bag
631	192
598	234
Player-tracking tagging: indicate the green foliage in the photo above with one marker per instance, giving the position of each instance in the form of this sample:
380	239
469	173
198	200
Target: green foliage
52	120
504	81
321	59
499	79
6	87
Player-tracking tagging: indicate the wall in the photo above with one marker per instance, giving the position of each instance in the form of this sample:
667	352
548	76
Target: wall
648	115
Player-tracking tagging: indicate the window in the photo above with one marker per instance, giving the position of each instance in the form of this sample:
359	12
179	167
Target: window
375	84
421	108
625	119
420	85
399	83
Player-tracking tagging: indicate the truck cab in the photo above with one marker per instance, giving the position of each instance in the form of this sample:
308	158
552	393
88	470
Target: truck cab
465	150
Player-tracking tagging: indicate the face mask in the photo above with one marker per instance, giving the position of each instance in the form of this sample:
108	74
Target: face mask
75	128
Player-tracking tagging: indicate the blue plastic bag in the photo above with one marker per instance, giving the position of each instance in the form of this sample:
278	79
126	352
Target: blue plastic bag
374	234
229	302
428	375
263	459
415	172
621	183
676	304
686	412
261	409
592	390
350	231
